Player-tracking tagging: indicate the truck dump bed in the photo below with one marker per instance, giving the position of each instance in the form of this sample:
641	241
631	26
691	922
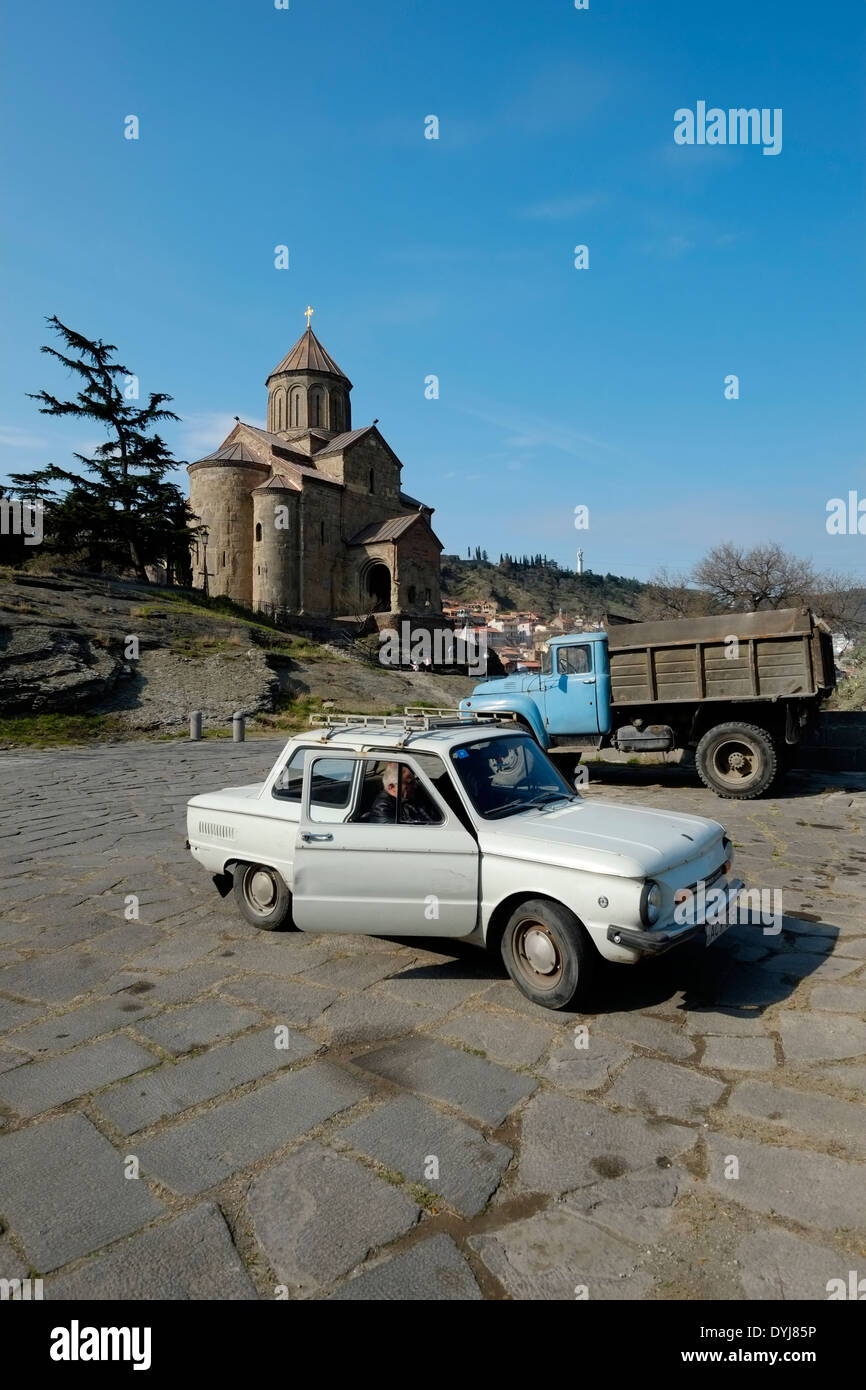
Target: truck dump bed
778	653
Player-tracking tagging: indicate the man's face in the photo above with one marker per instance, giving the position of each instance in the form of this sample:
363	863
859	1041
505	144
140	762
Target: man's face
408	783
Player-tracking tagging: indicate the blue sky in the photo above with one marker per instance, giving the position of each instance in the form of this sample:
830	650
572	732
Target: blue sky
602	387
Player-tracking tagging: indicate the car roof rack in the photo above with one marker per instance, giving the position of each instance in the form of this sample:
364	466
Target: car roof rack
415	719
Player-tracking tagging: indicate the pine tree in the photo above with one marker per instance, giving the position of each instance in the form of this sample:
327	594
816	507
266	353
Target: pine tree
124	512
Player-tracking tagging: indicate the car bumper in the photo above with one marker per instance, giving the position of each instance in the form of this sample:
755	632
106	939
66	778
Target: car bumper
658	940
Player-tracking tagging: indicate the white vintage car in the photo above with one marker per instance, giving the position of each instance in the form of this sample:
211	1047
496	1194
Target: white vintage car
449	827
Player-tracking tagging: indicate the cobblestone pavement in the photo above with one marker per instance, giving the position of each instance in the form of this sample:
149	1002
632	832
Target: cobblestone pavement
421	1131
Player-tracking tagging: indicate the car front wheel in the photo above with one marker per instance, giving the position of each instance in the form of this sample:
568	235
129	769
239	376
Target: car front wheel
548	955
262	896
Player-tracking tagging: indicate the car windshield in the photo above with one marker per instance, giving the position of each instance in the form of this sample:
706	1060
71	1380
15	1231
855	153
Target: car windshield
505	775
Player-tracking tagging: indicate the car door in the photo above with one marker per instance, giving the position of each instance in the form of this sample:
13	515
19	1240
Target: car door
570	697
380	879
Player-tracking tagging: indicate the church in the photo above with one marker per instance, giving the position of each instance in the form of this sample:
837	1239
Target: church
308	515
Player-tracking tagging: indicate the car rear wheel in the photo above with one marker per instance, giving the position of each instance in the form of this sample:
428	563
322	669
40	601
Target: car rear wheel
548	954
262	896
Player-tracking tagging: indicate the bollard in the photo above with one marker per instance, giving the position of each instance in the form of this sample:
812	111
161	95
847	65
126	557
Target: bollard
238	726
195	727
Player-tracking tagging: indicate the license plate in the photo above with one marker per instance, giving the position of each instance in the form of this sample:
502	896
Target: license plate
714	931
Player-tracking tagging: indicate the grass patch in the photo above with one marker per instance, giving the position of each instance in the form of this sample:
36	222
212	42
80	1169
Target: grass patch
52	730
192	645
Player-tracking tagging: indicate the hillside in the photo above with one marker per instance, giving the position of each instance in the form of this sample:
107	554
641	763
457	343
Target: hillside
70	671
540	588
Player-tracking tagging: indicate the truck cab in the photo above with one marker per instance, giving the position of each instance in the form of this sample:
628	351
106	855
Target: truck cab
570	696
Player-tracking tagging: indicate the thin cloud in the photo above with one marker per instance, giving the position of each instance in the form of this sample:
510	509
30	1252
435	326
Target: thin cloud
562	209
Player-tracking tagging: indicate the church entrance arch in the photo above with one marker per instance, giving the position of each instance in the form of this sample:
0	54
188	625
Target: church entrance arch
376	587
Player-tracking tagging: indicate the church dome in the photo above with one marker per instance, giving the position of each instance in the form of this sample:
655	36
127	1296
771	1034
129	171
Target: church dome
308	391
309	356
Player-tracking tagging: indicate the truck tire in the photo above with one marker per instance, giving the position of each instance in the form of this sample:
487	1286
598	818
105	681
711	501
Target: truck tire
262	896
737	761
548	954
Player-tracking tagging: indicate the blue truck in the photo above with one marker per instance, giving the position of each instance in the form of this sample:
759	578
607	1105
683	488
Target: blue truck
740	690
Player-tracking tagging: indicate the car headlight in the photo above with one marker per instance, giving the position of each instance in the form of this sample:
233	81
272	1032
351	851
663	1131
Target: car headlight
728	850
650	903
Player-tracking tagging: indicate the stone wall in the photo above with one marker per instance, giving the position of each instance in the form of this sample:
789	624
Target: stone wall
220	496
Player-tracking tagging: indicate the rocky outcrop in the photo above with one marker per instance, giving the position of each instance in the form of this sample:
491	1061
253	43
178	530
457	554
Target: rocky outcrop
46	668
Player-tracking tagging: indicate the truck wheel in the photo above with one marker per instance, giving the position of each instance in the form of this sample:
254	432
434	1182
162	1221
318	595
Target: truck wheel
548	954
262	896
737	761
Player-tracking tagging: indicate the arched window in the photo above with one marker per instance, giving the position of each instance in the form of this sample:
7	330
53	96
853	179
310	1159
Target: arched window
316	420
224	560
295	406
372	481
258	530
322	532
411	593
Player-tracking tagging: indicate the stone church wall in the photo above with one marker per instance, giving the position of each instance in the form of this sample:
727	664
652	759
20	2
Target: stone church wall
221	498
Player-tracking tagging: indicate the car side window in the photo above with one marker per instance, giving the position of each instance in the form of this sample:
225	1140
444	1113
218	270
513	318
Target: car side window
574	661
391	794
330	787
290	783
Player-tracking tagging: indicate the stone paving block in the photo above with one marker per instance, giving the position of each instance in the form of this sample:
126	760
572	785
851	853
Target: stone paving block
777	1265
39	1086
367	1018
354	972
291	953
508	996
177	988
844	999
287	1001
552	1254
480	1088
432	1271
637	1206
725	1023
13	1014
433	986
64	1031
173	1088
63	1191
814	1037
174	954
317	1214
506	1038
11	1264
196	1025
660	1088
191	1257
569	1143
57	978
404	1134
585	1068
806	1112
854	1077
812	1189
739	1054
196	1154
656	1034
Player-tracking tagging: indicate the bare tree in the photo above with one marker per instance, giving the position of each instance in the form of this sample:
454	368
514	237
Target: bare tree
763	577
671	596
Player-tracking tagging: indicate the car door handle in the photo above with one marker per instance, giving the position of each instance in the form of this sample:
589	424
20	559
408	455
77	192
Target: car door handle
307	838
588	680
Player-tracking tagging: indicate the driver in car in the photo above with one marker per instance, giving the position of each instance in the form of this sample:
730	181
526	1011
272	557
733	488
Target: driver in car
411	807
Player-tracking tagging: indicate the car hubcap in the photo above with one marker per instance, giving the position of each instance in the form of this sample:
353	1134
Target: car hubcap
261	891
537	955
540	951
